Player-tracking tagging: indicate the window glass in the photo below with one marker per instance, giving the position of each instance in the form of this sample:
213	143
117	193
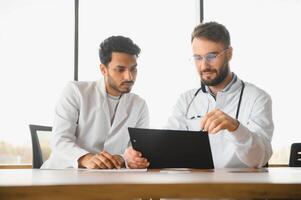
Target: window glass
162	29
36	61
266	40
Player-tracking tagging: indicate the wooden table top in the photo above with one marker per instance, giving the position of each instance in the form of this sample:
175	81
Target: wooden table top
282	182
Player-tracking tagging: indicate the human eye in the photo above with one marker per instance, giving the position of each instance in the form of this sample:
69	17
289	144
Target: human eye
197	57
119	69
211	56
134	69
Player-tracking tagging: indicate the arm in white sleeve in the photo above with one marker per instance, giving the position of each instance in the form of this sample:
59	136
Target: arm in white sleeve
143	122
143	119
253	140
65	124
177	119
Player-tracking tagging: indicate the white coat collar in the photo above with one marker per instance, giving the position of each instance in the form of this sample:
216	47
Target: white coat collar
102	87
234	86
121	112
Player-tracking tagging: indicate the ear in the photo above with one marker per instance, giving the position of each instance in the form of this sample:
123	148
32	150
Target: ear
229	53
103	69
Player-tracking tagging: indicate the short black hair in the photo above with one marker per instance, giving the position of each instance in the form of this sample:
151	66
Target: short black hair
212	31
116	44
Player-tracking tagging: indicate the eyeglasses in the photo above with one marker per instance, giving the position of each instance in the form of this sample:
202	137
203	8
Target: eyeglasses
209	58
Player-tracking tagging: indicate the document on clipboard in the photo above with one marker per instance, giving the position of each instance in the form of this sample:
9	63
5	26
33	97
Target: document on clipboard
173	148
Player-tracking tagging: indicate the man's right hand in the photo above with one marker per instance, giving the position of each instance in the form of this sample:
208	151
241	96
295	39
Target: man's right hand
102	160
134	159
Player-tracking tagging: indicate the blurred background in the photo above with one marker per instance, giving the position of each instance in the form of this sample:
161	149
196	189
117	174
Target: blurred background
37	57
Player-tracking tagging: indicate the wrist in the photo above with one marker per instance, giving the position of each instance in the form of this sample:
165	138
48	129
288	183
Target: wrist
122	161
235	126
83	160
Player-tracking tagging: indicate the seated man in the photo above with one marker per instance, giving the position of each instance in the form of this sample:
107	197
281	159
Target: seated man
91	118
237	114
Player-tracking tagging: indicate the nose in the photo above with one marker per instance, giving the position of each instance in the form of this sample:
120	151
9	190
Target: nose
202	64
128	76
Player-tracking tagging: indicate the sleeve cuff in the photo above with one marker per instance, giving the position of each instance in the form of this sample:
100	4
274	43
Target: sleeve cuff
125	162
77	155
240	136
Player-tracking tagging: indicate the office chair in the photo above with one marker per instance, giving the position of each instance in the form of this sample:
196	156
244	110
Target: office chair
40	136
295	156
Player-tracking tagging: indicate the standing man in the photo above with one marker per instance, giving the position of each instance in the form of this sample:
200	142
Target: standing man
91	118
236	114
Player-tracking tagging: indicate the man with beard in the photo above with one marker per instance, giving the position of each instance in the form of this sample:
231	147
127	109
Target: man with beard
236	114
91	118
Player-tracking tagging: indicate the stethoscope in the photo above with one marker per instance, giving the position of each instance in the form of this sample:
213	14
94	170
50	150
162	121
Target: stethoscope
203	89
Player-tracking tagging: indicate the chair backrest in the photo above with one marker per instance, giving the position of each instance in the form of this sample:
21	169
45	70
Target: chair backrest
295	156
40	137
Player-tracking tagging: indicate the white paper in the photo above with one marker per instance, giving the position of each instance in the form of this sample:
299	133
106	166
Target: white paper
114	170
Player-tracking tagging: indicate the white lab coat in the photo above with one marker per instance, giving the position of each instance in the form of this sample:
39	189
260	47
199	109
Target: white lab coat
82	123
250	144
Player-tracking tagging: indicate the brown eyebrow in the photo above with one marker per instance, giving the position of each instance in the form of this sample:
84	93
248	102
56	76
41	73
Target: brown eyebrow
135	65
121	66
212	52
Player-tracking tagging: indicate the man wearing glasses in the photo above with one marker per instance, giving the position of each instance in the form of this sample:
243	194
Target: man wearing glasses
91	118
236	114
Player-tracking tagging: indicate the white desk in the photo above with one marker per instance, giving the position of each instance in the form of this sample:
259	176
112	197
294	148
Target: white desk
73	184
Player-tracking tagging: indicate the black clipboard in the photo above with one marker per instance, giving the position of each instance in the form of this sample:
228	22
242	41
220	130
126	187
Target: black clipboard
173	148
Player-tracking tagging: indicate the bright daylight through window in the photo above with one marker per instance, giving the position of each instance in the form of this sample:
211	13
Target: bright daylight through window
266	40
37	36
37	57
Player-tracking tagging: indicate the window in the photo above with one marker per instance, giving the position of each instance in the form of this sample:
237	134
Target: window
36	57
36	38
162	29
36	61
266	40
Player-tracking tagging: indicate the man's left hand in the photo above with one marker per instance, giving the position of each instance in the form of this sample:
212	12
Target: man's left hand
217	120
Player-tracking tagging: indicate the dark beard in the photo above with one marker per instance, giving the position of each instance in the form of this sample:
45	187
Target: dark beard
223	73
114	85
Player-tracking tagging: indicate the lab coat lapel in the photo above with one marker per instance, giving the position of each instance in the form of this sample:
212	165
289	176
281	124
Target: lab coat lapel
105	105
235	87
121	112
